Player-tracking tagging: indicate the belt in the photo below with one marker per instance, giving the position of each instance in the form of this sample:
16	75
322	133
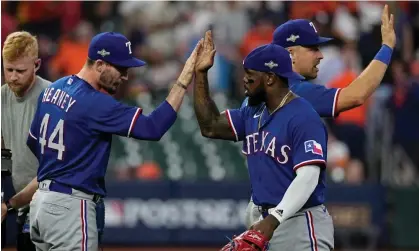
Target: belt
58	187
264	208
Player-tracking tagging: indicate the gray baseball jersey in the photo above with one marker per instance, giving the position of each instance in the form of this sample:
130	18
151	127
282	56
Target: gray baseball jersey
16	118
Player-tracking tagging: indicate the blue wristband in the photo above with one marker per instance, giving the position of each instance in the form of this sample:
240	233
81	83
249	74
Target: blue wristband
384	54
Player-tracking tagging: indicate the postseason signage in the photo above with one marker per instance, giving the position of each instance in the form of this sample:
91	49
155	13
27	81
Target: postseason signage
206	213
166	213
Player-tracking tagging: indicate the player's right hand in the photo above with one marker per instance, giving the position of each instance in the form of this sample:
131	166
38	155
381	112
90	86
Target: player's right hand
3	211
387	28
185	77
206	55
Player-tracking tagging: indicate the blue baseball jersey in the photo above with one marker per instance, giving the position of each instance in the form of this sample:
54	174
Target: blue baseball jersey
71	133
322	99
277	145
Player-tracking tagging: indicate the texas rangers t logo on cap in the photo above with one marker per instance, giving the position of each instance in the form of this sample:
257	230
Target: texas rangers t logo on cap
314	147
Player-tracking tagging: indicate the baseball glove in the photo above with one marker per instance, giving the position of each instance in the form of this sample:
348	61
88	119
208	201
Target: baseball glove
250	240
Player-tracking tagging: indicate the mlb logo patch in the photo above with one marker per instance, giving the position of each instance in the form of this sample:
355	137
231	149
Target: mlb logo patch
314	147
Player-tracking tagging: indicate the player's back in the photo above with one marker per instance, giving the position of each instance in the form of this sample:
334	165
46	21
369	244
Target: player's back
70	150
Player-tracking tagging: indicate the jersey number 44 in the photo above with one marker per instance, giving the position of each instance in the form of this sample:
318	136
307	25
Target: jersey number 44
53	143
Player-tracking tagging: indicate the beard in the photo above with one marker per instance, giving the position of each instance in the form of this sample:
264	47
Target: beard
107	83
19	88
256	99
310	77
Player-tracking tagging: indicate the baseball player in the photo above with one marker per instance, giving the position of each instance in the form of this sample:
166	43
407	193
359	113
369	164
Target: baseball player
18	105
71	136
19	97
285	144
301	39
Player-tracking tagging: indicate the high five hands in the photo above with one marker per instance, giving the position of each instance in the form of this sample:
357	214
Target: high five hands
206	54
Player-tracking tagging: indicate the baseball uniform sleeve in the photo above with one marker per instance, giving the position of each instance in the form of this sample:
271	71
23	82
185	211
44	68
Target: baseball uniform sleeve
323	100
309	140
298	192
236	120
111	116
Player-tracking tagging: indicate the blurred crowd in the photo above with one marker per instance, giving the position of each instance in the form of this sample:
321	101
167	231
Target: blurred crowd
378	141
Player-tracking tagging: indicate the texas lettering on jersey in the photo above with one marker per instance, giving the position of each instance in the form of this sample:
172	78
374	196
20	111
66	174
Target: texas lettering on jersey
265	142
288	139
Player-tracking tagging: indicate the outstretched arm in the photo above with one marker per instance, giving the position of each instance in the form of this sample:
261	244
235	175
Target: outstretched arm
116	118
211	122
367	82
178	91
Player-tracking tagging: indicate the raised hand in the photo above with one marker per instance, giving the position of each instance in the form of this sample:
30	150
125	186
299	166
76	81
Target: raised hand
206	55
387	28
185	77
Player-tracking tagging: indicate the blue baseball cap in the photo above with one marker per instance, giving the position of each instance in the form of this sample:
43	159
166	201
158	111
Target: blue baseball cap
298	32
113	48
271	58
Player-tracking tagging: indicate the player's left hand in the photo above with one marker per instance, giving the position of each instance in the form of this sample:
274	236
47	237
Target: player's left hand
266	226
3	211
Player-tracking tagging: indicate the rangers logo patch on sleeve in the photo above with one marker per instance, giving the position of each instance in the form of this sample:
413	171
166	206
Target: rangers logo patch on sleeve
314	147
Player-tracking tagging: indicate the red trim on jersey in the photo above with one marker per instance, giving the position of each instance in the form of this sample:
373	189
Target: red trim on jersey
335	103
230	122
30	134
134	120
309	162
